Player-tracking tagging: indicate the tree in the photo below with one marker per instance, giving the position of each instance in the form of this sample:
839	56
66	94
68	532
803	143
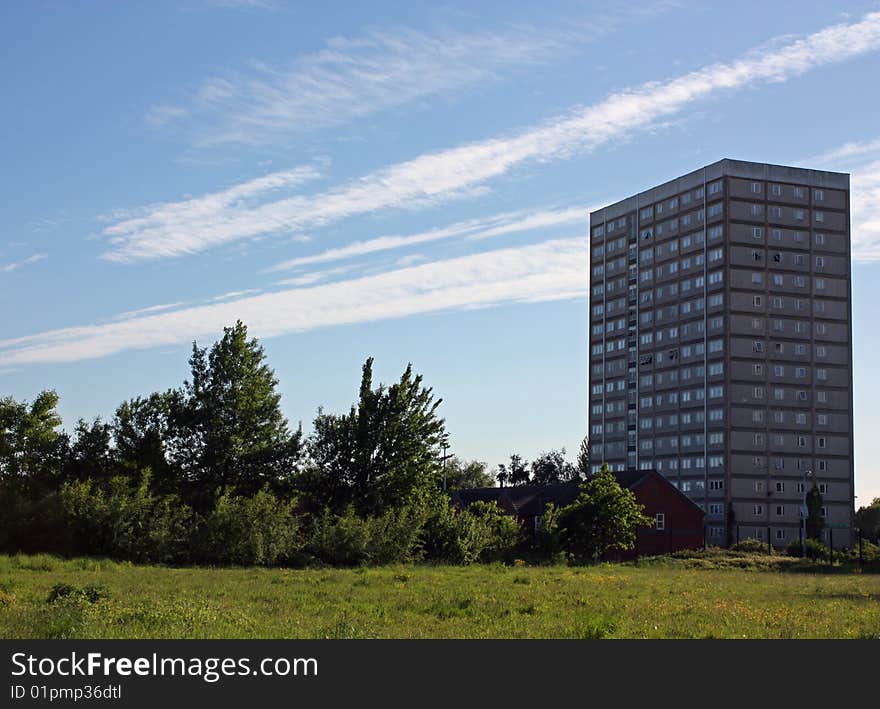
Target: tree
384	450
815	523
31	446
552	467
517	473
229	429
90	454
143	430
583	459
604	516
868	520
461	475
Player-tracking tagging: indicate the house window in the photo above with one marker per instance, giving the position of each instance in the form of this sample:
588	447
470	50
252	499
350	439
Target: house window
780	535
780	510
823	488
757	510
780	487
824	512
659	521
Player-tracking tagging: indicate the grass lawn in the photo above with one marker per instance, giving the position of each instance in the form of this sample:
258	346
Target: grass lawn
710	595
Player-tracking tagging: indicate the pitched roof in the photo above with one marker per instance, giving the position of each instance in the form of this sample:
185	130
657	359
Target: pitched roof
531	500
524	500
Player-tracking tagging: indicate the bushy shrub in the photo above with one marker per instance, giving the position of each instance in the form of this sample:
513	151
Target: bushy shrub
548	537
815	549
395	536
124	521
93	593
751	546
482	532
258	530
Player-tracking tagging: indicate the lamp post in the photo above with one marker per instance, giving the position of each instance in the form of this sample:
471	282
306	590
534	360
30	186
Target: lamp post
807	474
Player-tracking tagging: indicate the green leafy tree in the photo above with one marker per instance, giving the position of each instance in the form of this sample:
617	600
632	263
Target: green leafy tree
552	467
461	475
815	523
143	429
230	432
31	446
381	452
516	473
583	459
90	454
605	516
868	520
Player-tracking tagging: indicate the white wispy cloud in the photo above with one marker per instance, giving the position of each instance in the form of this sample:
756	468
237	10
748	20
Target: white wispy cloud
172	229
169	229
15	265
481	228
552	270
855	150
355	76
865	212
312	277
125	315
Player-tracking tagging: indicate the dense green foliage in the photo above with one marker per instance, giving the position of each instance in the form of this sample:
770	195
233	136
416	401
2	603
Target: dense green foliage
604	517
868	520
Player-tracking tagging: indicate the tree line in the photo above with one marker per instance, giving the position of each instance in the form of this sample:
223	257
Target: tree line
212	472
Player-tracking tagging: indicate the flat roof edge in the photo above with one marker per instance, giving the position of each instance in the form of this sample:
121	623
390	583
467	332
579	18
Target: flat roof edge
727	167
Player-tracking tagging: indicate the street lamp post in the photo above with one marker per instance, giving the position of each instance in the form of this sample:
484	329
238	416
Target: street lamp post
807	474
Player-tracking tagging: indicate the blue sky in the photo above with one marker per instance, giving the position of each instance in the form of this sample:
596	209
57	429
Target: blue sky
407	181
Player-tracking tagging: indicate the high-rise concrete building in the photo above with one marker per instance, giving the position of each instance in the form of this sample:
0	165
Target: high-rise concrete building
721	344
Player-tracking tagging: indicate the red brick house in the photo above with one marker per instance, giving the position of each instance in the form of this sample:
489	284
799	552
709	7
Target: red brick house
678	520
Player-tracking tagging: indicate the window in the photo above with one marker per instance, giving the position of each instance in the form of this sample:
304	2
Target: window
823	442
820	262
758	346
715	508
716	485
824	512
660	521
757	232
758	510
799	192
780	487
823	488
819	195
780	510
820	217
799	214
758	392
780	535
776	190
757	416
756	301
758	369
715	188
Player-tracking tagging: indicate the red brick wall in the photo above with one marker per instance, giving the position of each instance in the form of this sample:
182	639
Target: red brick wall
683	528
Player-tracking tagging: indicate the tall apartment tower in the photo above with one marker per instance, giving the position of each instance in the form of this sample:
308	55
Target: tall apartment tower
721	344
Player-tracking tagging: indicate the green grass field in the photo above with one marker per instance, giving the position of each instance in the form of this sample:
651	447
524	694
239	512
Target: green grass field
708	596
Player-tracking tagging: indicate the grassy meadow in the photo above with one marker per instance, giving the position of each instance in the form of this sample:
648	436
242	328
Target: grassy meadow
721	595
